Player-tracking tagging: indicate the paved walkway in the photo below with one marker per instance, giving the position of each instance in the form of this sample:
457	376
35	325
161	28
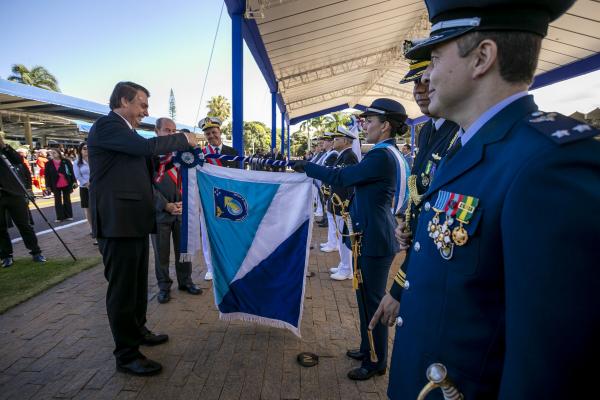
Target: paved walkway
58	344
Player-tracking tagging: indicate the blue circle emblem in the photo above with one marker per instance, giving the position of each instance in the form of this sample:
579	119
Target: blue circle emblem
234	207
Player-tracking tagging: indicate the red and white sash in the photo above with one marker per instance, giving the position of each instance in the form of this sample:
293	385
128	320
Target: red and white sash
208	149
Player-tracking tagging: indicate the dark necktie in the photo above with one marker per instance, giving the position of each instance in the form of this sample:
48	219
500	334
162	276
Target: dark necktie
217	150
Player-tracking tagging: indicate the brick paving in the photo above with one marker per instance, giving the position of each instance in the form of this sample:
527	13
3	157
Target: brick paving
58	344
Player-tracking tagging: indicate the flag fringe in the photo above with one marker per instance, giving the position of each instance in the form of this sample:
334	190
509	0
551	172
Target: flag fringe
239	316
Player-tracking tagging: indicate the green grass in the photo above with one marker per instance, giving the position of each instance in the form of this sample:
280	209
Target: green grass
25	278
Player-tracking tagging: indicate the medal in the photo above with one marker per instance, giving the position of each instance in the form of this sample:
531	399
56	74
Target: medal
466	208
424	180
460	235
455	207
427	175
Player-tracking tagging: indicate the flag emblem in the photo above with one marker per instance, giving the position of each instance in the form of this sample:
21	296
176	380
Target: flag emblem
230	205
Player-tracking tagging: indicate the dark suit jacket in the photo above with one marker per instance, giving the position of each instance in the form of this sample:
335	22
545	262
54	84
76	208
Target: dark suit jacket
374	182
51	174
165	191
121	198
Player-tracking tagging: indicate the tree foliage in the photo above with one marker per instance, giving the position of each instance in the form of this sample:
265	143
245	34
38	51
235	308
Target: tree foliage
38	76
257	138
172	107
315	127
219	106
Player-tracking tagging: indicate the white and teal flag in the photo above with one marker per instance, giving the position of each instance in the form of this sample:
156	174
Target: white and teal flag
259	229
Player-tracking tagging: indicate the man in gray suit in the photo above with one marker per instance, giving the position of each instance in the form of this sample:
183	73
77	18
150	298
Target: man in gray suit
168	206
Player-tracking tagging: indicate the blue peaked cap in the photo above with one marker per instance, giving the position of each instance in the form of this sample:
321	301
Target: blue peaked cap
453	18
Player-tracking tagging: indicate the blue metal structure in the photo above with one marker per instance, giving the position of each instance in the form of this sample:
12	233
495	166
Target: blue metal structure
273	120
282	133
253	38
237	81
288	141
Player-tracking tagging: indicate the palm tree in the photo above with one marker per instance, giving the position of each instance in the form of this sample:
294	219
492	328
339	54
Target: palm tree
38	76
319	123
336	119
219	106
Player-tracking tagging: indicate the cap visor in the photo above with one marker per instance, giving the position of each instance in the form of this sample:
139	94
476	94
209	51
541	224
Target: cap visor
423	49
413	75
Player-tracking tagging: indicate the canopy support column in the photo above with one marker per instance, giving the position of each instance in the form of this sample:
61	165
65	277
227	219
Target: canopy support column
237	82
273	121
282	134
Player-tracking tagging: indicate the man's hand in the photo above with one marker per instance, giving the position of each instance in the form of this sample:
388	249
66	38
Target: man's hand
299	165
191	138
173	208
404	237
386	312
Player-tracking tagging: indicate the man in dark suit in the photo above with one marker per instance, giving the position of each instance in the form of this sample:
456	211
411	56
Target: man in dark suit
168	206
211	126
375	183
122	211
503	298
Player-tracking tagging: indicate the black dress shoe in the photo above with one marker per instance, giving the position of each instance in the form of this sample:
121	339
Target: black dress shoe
356	354
152	339
362	374
163	296
140	367
191	288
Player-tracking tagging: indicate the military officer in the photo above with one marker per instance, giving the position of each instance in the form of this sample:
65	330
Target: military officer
211	127
376	188
317	154
328	159
504	270
342	142
435	138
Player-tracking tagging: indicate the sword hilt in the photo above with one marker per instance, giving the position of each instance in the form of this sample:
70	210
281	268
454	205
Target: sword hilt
437	374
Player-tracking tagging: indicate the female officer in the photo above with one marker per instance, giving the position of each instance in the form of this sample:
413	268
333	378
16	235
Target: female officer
380	183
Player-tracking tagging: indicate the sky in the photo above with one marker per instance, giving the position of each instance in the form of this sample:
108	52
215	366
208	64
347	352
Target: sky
164	45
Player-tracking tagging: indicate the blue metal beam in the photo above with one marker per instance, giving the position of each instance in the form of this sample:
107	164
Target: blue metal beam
301	118
288	140
416	121
256	46
237	82
273	120
282	133
568	71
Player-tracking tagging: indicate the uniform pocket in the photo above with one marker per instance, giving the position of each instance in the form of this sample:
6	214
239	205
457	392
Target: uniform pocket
466	257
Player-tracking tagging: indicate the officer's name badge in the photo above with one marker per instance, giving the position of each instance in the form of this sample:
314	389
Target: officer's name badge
454	207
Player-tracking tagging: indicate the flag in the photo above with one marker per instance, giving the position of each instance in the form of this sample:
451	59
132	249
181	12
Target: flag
259	229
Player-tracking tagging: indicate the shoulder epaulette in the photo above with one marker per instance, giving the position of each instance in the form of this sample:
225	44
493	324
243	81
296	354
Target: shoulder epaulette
559	128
